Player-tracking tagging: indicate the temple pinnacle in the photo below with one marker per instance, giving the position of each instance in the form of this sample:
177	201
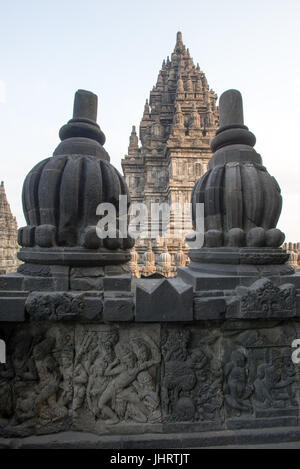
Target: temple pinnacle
85	105
231	108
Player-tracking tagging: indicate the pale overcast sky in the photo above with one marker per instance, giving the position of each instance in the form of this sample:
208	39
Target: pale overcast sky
49	49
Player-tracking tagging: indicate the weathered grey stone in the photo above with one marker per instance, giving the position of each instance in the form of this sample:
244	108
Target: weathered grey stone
38	283
44	306
11	282
263	299
209	308
12	309
93	307
80	272
60	274
117	283
240	198
191	385
231	108
118	307
163	300
85	283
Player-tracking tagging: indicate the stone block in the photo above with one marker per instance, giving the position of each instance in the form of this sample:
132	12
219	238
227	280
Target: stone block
38	283
86	283
11	282
209	308
164	300
12	309
117	283
93	307
86	278
118	307
60	274
78	272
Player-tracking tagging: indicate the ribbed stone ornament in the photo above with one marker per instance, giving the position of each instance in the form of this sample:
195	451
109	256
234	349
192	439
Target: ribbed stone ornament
242	202
61	195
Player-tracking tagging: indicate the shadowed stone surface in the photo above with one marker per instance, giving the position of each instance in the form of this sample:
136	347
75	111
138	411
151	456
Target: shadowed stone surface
163	300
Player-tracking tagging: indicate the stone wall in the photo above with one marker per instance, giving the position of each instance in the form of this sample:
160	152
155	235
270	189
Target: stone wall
115	379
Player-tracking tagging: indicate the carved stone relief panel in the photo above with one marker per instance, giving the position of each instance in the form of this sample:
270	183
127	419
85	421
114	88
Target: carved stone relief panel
137	378
192	375
36	389
116	374
260	380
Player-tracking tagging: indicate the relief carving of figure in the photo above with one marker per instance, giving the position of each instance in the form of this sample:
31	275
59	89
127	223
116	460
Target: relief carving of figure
38	388
97	381
83	362
182	369
237	390
45	402
263	385
119	394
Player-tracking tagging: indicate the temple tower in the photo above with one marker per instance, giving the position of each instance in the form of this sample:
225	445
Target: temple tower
8	236
178	122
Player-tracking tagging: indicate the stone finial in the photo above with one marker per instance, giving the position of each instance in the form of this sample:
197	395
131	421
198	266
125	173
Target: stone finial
62	193
232	129
231	108
82	125
242	202
179	43
85	105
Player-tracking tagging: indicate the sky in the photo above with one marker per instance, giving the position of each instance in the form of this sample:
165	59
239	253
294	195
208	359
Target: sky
50	49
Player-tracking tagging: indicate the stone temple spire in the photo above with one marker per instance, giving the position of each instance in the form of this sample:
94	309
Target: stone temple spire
8	235
179	47
174	135
133	142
